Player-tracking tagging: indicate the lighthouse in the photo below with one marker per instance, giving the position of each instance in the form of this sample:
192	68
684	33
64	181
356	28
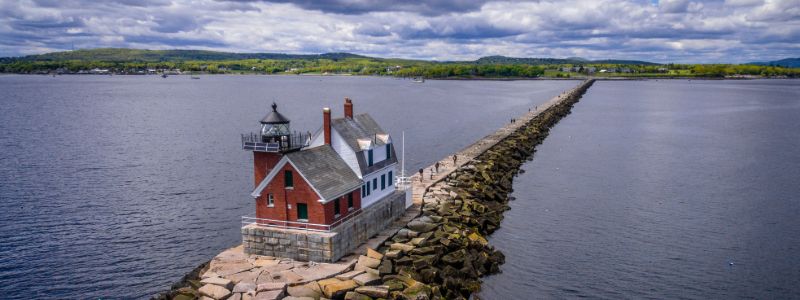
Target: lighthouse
319	196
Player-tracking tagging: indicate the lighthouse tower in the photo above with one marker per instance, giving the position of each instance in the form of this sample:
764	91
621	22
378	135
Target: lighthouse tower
272	141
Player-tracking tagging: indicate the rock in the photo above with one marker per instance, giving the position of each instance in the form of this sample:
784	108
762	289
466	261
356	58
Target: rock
394	285
356	296
394	253
244	287
417	241
263	262
419	226
184	297
475	237
249	296
236	296
385	267
206	298
349	275
214	291
287	276
246	276
367	279
374	254
269	295
311	289
369	262
270	286
297	298
209	274
401	246
218	281
335	288
418	291
361	267
374	291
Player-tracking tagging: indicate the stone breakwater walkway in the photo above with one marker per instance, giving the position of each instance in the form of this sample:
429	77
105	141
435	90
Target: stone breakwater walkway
446	166
438	255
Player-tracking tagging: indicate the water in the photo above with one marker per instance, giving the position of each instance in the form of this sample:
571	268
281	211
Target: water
116	186
661	190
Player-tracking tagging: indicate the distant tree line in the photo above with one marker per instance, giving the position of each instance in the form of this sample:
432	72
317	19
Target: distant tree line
131	61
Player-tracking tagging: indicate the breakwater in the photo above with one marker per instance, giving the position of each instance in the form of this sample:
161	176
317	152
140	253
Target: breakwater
444	252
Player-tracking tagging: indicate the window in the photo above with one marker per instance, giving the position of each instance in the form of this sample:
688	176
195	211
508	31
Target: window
270	200
388	151
391	178
375	183
336	207
383	181
288	181
368	190
363	190
369	157
302	212
350	201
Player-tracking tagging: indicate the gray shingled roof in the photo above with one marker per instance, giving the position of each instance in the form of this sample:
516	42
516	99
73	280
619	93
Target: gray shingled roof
325	171
361	126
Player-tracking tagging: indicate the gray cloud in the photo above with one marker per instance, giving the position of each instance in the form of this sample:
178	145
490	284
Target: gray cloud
663	31
356	7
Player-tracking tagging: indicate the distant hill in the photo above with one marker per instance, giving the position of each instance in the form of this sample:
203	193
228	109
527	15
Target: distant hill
786	62
545	61
143	55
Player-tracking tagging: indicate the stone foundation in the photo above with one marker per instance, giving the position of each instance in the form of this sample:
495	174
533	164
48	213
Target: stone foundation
330	246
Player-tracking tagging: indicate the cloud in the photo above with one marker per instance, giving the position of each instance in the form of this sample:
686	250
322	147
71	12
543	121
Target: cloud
357	7
667	31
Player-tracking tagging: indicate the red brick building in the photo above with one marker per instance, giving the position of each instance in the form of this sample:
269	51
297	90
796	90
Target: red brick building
318	181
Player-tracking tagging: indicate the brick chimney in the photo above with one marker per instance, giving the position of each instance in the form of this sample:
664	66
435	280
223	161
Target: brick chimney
326	124
348	108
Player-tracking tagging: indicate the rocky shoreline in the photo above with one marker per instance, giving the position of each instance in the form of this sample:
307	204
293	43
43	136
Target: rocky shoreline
442	252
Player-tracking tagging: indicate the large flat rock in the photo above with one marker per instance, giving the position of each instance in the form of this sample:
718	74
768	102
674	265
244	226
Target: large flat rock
214	291
269	295
226	283
310	289
335	288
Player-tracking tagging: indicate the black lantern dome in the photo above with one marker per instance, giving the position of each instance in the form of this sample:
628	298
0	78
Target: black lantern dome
274	124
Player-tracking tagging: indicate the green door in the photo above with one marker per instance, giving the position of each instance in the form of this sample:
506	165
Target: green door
302	211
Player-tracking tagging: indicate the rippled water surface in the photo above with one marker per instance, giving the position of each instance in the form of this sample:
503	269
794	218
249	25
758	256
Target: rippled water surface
664	190
116	186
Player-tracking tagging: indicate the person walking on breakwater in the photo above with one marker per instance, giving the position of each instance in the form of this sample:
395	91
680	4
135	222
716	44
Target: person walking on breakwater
455	158
420	175
437	167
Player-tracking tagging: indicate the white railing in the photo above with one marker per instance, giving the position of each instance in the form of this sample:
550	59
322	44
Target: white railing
247	221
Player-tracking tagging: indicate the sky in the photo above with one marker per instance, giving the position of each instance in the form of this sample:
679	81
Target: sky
680	31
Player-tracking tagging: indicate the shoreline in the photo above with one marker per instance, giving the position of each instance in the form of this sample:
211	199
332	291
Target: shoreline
612	78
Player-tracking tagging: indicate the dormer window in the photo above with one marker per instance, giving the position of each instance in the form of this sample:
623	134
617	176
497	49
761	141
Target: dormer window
388	151
369	157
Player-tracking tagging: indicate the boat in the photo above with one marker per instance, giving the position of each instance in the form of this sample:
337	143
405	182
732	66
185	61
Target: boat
419	79
195	77
164	75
